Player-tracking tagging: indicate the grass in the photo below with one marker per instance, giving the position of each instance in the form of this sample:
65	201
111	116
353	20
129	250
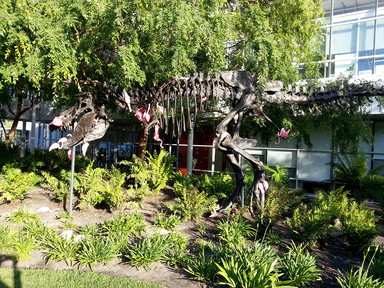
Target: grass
14	278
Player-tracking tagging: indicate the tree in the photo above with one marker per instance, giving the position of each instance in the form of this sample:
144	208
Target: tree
144	42
35	55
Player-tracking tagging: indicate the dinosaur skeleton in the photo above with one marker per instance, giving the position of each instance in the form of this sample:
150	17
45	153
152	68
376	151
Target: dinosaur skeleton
179	100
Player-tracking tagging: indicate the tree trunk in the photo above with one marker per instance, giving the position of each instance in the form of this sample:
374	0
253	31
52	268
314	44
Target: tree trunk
142	143
18	113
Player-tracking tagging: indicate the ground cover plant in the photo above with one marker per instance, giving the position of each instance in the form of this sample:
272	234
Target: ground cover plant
230	249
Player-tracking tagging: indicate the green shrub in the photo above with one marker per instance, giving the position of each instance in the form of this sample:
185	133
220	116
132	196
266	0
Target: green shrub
219	185
177	254
151	174
148	250
99	186
378	264
363	183
358	226
16	184
23	245
90	186
114	194
167	222
60	187
96	250
314	224
299	266
250	267
121	229
22	216
56	248
234	231
359	278
8	154
16	243
203	267
51	162
192	204
279	201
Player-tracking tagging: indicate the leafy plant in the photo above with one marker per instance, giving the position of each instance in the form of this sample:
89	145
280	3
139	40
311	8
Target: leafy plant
299	266
7	238
22	216
363	183
378	263
59	249
251	267
233	232
168	223
161	166
311	224
60	187
96	250
90	186
23	245
65	216
279	175
359	278
177	254
114	194
17	243
204	267
280	201
273	239
192	204
69	225
16	184
219	185
150	174
120	229
358	226
149	250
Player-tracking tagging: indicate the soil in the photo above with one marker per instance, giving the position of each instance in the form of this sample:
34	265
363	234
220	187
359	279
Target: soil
332	256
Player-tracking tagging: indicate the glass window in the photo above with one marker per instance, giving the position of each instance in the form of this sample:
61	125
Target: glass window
379	66
350	6
327	9
365	66
366	35
325	45
341	66
379	37
344	40
380	11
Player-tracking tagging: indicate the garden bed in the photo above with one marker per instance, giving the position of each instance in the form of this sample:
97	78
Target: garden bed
332	256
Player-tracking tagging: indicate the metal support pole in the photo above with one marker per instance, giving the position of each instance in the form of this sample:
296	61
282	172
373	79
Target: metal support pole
72	179
190	149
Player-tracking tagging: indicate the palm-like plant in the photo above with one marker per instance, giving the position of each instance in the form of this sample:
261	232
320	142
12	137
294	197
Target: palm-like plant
353	173
161	167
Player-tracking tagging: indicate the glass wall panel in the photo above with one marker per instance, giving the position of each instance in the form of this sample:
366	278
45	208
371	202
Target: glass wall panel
325	46
365	66
341	66
380	11
379	66
366	37
327	9
351	6
380	37
344	40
